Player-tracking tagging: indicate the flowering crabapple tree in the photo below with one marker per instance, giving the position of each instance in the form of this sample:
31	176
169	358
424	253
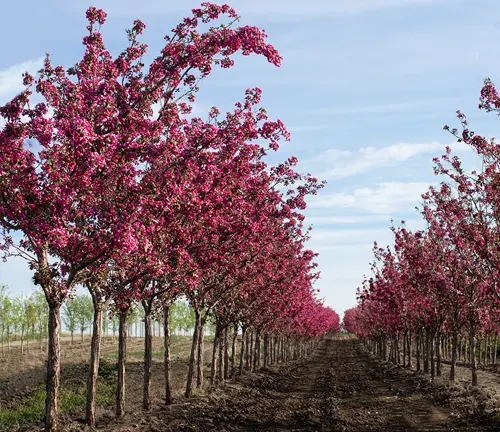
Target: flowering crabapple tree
70	180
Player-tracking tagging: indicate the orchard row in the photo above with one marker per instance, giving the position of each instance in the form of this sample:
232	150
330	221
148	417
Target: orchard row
106	181
438	287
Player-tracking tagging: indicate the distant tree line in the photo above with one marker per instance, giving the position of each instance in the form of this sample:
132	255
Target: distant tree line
24	319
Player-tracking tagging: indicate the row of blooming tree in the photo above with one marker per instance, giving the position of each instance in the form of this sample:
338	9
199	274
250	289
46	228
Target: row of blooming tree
434	295
108	183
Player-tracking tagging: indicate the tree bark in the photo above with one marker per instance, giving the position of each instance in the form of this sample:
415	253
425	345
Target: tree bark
166	358
242	350
148	356
454	346
266	349
122	359
199	363
53	368
495	349
226	354
95	352
213	368
417	344
233	349
193	355
220	371
472	341
256	350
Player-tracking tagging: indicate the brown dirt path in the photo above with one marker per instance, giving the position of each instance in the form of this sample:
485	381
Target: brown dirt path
340	388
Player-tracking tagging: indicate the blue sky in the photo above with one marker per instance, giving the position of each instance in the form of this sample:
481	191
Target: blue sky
365	88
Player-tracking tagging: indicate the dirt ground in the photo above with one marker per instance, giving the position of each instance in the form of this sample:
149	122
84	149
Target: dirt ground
340	387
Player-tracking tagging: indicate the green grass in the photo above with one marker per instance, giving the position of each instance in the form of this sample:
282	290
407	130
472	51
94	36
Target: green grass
72	398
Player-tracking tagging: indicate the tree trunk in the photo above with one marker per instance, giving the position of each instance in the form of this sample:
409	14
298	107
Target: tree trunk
473	352
250	350
247	345
166	358
495	349
454	345
266	349
256	350
220	371
426	351
199	362
122	359
226	354
417	344
438	353
233	349
53	368
431	354
193	355
242	350
410	360
95	352
214	366
148	356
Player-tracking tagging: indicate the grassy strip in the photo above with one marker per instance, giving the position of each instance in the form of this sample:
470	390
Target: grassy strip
72	399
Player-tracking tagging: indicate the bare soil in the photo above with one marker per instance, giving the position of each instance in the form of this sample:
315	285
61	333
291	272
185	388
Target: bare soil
341	387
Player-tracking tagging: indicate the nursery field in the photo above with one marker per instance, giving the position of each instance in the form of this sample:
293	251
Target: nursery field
340	387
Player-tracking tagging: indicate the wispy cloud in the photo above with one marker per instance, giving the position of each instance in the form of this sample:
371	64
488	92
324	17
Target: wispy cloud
385	198
388	108
346	220
346	163
11	81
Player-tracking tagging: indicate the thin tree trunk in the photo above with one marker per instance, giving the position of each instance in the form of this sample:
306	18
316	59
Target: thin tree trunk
495	349
454	346
95	352
214	366
431	355
438	353
410	360
250	350
418	345
166	358
199	363
53	368
426	351
233	349
256	350
242	350
473	353
193	355
247	347
148	355
266	349
226	354
122	359
220	370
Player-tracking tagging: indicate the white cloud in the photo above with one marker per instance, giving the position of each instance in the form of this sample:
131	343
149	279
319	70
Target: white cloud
345	220
386	198
390	108
345	163
11	80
